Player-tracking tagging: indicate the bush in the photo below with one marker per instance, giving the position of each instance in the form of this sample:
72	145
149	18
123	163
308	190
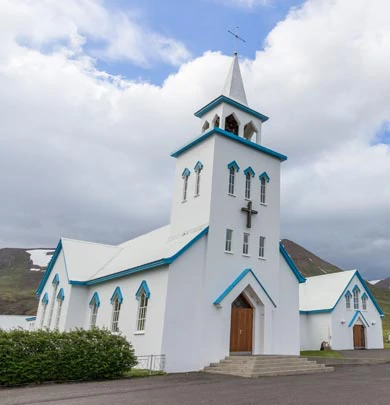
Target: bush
37	356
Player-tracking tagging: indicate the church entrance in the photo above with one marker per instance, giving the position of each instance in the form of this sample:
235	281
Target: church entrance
359	340
241	326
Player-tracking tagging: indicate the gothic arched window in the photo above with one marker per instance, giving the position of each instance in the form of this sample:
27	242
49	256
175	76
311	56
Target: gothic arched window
231	124
205	126
348	296
45	302
185	175
94	304
142	295
356	297
198	168
249	173
60	300
364	302
116	302
215	121
264	179
233	168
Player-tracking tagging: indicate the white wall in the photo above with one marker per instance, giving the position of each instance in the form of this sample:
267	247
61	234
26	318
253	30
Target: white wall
8	322
314	329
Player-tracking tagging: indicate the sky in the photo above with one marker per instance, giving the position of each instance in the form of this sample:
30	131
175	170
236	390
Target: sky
95	95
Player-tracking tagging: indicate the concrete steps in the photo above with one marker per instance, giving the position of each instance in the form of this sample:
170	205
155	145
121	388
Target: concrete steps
262	366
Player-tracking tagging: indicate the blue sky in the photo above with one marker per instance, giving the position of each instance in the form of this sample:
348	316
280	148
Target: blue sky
201	25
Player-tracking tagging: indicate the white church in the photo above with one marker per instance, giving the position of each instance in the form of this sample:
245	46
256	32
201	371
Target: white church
216	280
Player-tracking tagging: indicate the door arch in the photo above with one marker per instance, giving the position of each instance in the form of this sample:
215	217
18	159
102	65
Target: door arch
241	326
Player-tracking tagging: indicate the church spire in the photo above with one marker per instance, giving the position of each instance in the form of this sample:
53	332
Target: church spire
234	87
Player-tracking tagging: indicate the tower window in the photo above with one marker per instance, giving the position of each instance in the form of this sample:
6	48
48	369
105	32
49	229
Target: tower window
261	246
205	126
264	179
249	131
245	245
215	121
185	175
233	168
198	168
248	186
228	241
231	124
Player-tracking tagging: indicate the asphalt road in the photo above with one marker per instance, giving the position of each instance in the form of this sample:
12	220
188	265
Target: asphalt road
347	385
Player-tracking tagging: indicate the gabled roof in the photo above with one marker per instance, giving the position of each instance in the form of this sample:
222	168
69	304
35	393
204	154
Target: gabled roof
321	294
91	263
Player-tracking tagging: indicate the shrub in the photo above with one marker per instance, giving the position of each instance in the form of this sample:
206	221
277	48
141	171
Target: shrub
37	356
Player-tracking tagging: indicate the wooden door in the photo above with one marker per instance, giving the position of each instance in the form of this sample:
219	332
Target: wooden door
241	327
359	341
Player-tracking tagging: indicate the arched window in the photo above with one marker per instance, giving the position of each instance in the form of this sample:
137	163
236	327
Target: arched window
264	179
249	131
94	304
205	126
45	301
142	295
215	121
116	302
55	282
356	292
231	124
348	296
249	173
60	300
233	168
198	168
185	175
364	302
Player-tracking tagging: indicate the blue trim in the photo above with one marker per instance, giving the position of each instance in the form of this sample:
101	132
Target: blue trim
250	171
291	264
265	176
364	295
45	298
231	136
117	293
143	287
95	299
199	165
218	301
60	295
372	298
348	294
31	318
356	288
235	165
233	103
143	267
186	172
315	311
49	269
56	279
358	313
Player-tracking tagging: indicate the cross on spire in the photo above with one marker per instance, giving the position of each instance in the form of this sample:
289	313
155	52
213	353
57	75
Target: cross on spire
237	37
249	212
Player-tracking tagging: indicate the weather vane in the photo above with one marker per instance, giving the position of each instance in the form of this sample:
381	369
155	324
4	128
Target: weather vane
237	37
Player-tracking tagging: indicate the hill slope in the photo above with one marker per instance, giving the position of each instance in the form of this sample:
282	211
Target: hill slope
19	279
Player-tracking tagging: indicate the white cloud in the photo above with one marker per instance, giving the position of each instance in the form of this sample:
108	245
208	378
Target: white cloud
99	144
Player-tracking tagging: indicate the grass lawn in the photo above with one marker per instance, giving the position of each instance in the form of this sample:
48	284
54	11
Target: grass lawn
136	373
321	353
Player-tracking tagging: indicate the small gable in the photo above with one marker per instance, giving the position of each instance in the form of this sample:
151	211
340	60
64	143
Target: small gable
143	288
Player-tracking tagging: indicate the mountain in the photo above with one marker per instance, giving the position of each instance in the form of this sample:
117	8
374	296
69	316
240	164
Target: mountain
21	271
383	283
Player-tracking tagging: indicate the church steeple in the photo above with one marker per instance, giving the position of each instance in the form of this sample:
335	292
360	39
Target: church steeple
234	87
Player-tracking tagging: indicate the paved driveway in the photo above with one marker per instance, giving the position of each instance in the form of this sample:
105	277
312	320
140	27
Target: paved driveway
357	385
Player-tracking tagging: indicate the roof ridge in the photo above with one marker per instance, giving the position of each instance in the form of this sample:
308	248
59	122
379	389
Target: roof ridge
88	242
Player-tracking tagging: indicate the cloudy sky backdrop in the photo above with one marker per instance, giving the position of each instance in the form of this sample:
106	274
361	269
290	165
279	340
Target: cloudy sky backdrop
94	95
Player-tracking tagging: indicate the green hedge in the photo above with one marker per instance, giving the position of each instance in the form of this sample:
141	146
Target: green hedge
37	356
